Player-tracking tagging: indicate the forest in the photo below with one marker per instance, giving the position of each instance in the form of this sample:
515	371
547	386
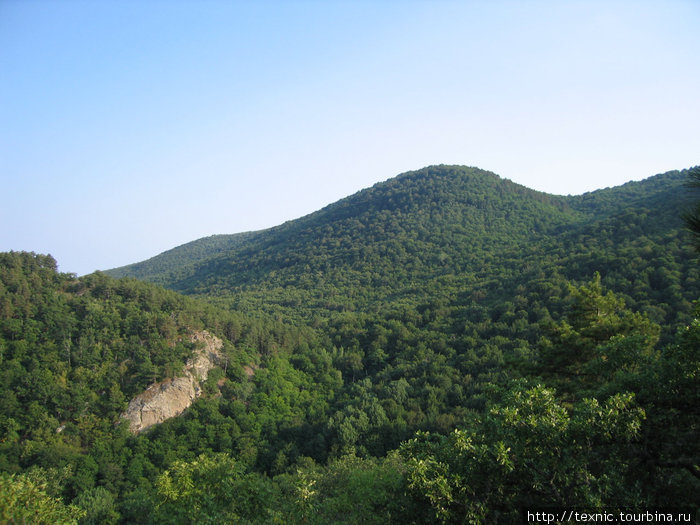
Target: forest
444	347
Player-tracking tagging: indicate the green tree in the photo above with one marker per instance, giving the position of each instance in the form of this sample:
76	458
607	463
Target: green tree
668	451
598	338
212	489
349	490
24	500
98	505
527	451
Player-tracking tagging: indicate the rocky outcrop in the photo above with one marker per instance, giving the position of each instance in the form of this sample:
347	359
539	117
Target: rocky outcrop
172	397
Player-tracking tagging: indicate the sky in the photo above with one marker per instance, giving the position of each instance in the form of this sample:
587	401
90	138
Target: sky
130	127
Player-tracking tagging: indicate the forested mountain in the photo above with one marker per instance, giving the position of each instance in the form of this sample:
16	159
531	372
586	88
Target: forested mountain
444	347
442	232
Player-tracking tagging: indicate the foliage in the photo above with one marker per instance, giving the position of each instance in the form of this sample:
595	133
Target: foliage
527	451
598	339
24	500
99	506
349	490
211	489
455	234
445	346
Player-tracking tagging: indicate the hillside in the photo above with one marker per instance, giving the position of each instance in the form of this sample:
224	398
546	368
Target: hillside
181	256
75	352
441	347
407	217
424	233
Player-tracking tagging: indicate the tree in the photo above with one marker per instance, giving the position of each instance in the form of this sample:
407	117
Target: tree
98	504
24	500
212	489
598	338
527	451
668	450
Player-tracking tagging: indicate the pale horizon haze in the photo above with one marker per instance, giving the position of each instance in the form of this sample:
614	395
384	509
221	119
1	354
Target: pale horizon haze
128	128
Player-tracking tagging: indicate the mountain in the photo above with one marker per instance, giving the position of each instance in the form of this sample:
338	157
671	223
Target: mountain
419	209
424	233
414	204
441	347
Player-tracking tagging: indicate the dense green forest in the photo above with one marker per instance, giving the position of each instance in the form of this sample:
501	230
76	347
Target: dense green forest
445	347
443	231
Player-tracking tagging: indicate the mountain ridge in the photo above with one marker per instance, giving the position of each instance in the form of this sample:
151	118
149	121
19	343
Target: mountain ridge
211	246
400	237
214	245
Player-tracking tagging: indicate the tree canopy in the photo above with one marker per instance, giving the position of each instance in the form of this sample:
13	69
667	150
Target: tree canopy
446	347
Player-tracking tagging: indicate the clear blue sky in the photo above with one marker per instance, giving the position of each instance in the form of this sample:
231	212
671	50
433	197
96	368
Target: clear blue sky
129	127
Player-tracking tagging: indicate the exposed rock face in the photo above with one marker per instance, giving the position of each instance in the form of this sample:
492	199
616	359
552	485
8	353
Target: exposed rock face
171	397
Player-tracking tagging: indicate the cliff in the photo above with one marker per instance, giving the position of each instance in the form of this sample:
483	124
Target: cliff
172	397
